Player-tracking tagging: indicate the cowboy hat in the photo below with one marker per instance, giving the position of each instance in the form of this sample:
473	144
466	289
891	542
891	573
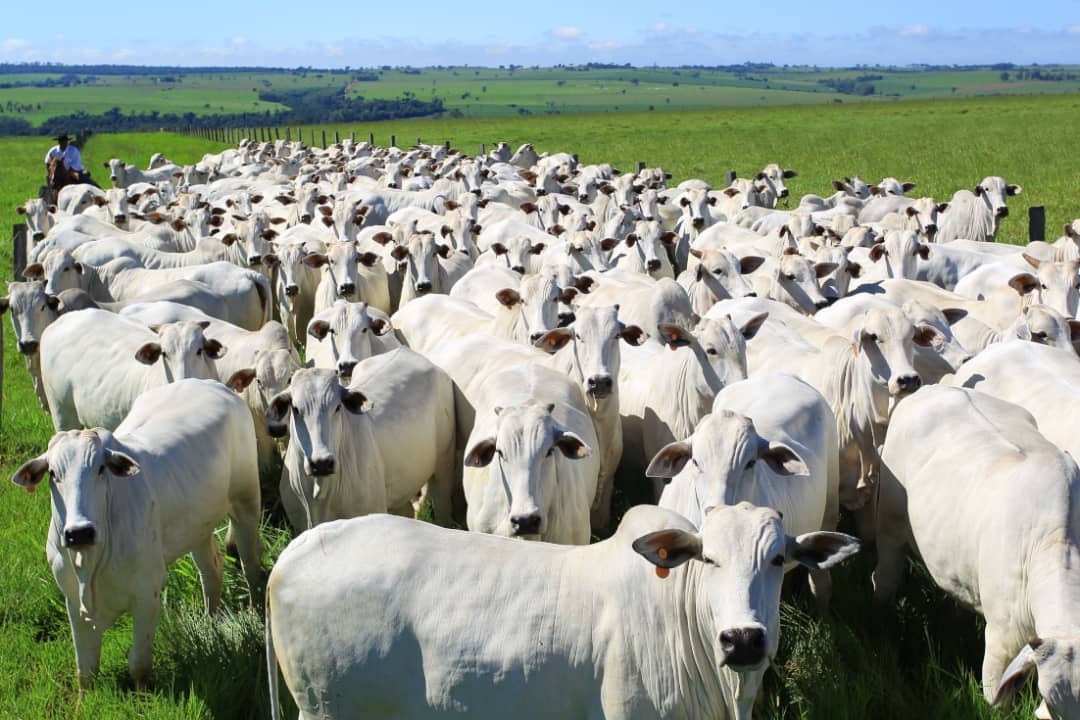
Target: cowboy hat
62	137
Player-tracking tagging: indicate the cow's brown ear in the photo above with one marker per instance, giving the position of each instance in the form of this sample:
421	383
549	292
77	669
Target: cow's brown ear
555	340
382	237
481	454
750	263
633	335
148	354
1023	283
355	401
31	473
277	415
925	335
669	548
239	380
368	259
315	260
214	349
34	271
670	461
120	464
674	336
5	302
508	297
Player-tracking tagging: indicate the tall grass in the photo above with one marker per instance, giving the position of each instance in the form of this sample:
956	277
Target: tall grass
917	659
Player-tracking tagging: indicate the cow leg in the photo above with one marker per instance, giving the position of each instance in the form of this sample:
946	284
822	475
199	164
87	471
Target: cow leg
208	560
86	636
995	659
144	613
893	536
245	525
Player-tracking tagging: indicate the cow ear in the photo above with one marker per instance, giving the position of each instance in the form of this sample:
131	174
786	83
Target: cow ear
668	238
566	295
911	212
837	185
555	340
670	461
508	297
788	174
750	328
673	336
877	251
631	240
399	253
1032	260
854	269
572	446
270	259
120	464
942	207
498	248
556	230
277	415
240	379
214	349
536	249
1013	190
908	186
368	259
380	327
21	209
978	191
318	329
781	459
148	354
481	454
699	273
669	548
954	315
34	271
229	239
608	243
382	237
284	199
634	335
820	550
750	263
315	260
31	473
355	401
822	269
925	335
528	207
1017	672
730	192
584	284
1023	283
923	251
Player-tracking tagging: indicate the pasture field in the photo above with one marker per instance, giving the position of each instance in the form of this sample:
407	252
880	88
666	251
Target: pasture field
919	658
497	92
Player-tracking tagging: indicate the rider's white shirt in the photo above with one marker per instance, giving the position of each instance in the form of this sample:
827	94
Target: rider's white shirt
72	158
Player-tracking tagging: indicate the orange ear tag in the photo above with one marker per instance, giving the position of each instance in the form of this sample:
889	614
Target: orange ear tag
662	572
30	488
662	552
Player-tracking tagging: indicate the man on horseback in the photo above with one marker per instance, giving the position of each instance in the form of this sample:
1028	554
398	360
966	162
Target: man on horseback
65	165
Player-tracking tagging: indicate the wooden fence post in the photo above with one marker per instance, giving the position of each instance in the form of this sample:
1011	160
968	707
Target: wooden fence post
418	140
640	165
371	139
312	132
337	138
18	250
483	149
324	139
288	134
393	141
1036	223
277	133
448	145
729	177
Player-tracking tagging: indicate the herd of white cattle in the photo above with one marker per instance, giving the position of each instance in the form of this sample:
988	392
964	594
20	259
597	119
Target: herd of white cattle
511	339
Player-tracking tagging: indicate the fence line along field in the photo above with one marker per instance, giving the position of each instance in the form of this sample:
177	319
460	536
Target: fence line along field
921	657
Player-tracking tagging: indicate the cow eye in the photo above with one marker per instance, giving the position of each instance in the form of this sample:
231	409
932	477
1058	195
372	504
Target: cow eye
777	561
1039	335
1043	286
66	269
712	351
101	470
199	351
718	271
789	276
752	463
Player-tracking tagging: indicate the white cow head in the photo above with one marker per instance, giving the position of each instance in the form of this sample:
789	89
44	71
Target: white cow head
836	284
254	232
339	266
1055	284
853	186
1058	663
717	343
348	329
38	218
32	310
593	339
892	186
644	250
934	327
723	274
1045	325
695	204
900	251
289	259
515	252
519	444
419	257
726	450
995	193
797	282
183	350
532	308
59	270
883	340
739	556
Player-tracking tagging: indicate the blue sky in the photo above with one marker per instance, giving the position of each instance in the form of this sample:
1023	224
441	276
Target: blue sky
491	32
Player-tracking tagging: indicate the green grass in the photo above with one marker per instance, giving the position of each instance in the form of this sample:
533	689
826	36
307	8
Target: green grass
499	92
919	660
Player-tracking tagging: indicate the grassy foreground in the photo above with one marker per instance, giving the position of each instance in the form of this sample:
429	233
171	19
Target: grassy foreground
918	660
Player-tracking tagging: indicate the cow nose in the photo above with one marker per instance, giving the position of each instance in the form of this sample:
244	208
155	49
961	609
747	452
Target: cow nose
750	294
79	535
743	647
566	318
653	265
965	359
38	237
931	230
784	193
583	198
346	288
120	219
292	290
29	347
477	192
600	386
423	287
254	260
525	524
535	336
322	466
821	304
699	222
519	269
541	192
1002	212
345	368
306	219
908	383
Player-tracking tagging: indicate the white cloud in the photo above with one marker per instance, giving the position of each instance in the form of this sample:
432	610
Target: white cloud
915	30
122	54
13	44
660	27
568	32
605	46
238	41
1073	29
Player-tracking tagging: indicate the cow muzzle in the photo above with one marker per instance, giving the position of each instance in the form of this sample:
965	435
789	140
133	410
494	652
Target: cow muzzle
1001	212
79	536
784	193
254	260
28	348
321	467
39	236
525	524
699	222
907	384
306	219
120	219
600	386
653	265
345	368
566	318
346	289
292	290
744	648
423	287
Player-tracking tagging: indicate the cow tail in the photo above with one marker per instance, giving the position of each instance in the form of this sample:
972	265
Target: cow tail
271	664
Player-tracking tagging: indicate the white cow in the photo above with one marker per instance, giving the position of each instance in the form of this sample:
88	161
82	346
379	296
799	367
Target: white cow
346	333
530	469
715	275
990	507
126	503
357	638
32	310
977	215
349	274
94	364
395	435
769	441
